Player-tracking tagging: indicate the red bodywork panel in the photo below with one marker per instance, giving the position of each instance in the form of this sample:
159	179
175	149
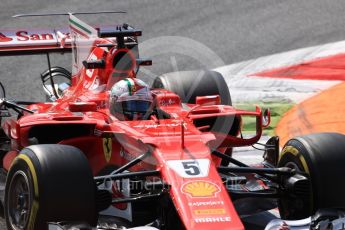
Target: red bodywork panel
202	201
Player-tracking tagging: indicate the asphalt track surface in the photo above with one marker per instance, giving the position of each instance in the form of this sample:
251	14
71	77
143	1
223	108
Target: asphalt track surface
235	30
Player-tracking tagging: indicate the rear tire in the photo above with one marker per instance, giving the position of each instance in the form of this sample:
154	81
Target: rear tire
322	157
49	183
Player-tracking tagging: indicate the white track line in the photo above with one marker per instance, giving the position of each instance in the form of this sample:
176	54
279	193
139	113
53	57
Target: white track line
246	89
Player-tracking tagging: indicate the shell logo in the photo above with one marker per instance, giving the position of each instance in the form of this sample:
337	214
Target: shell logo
200	189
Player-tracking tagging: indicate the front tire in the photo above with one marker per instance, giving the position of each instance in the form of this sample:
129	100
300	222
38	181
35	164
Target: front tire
321	156
49	183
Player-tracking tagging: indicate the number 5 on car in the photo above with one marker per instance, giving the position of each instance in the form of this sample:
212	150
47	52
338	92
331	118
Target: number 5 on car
190	168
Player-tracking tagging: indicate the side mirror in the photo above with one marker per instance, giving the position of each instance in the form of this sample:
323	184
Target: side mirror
266	118
143	62
208	100
94	64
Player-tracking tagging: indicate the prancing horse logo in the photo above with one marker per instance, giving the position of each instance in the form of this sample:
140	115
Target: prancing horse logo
107	148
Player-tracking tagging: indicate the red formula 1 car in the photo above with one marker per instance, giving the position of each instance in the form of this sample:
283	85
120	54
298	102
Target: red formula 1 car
73	163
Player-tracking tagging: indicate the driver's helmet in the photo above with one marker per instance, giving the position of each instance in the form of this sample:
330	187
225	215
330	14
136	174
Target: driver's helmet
130	99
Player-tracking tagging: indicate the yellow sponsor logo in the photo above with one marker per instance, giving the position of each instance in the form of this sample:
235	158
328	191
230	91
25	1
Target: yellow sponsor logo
107	148
218	211
199	189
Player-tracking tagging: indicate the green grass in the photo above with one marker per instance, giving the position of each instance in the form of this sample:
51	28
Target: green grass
277	111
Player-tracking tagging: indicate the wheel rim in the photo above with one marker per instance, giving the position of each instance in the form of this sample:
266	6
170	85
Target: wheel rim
19	201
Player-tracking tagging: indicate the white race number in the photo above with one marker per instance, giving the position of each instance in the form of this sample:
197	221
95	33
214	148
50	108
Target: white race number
190	168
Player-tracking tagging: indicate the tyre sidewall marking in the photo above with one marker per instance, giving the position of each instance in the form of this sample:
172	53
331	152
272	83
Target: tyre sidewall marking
35	204
295	152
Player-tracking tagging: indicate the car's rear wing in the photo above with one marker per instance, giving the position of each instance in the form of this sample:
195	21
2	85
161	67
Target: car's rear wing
34	41
42	41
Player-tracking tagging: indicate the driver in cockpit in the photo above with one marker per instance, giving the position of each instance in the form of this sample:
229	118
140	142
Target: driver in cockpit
131	99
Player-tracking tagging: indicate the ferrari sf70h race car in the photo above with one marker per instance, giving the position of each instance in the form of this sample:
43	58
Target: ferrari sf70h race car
70	163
